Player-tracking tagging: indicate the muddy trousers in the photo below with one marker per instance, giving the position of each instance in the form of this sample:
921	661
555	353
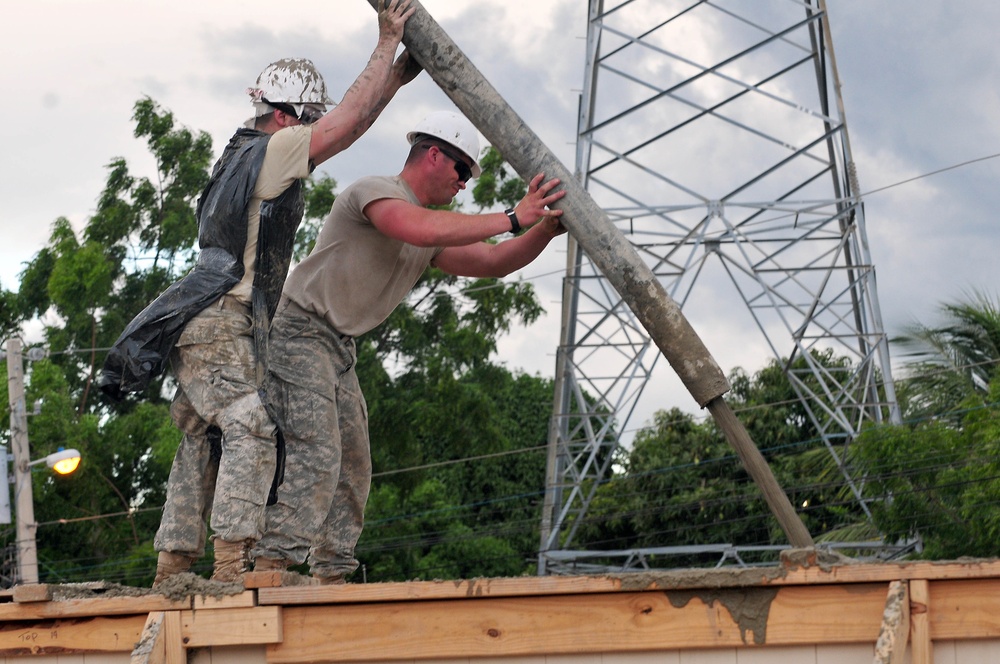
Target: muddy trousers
224	465
320	510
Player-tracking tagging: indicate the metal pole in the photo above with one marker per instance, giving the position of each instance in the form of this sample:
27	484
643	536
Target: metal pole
604	243
24	506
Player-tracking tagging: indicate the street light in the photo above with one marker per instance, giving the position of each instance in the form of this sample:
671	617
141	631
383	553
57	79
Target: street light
62	461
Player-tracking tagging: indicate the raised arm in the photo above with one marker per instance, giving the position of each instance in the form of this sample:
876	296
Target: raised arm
371	91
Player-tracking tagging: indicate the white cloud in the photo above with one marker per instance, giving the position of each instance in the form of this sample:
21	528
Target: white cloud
917	85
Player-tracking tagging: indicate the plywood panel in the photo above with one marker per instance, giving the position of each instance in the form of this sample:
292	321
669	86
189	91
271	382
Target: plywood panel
227	655
670	657
964	609
726	656
780	655
112	634
603	623
827	614
848	653
977	652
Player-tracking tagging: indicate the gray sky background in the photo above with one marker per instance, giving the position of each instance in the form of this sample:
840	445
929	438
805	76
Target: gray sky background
919	84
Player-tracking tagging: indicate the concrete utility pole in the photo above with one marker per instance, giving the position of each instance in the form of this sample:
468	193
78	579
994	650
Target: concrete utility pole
27	550
617	259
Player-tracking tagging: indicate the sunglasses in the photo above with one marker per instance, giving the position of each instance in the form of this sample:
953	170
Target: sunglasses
461	168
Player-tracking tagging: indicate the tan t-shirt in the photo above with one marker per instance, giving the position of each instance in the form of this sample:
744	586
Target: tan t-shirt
355	276
286	159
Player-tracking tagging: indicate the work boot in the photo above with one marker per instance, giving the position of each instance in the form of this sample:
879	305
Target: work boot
335	580
231	560
262	564
168	564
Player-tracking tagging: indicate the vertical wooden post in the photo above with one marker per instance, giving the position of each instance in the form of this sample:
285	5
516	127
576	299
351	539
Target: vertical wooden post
921	648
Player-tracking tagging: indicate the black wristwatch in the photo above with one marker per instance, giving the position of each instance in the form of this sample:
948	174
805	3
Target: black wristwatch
515	226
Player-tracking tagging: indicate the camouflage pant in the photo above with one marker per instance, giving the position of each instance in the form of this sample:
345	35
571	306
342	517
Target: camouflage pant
225	462
321	504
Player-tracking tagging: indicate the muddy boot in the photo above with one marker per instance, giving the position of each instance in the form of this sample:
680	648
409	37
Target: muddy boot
336	580
262	564
168	564
231	560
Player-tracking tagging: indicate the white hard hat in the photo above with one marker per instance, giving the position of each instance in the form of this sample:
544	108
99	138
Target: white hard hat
453	129
292	81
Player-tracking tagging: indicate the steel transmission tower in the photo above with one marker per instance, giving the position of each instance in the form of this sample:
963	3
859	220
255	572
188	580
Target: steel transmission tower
713	134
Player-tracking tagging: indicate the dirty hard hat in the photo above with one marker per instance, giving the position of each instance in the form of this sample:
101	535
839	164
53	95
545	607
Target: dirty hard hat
291	81
453	129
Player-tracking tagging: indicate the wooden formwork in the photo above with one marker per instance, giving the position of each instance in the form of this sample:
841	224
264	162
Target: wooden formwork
946	613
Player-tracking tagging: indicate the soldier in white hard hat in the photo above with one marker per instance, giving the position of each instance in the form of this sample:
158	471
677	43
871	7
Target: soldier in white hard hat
379	237
213	323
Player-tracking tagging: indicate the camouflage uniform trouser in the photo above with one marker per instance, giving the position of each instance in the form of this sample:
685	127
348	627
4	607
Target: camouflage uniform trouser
225	462
321	504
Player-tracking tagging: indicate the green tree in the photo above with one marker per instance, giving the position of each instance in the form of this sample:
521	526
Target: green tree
681	483
465	503
935	479
141	238
937	483
434	394
949	363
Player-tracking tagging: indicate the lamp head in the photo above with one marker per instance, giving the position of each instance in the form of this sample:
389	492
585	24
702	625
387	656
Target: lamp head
63	462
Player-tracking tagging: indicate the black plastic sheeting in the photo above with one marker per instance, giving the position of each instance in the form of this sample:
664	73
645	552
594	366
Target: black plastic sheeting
143	349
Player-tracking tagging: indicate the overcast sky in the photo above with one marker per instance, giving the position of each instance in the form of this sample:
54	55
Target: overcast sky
919	85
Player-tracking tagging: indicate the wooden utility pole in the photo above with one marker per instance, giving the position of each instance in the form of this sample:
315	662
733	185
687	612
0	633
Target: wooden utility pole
27	550
617	259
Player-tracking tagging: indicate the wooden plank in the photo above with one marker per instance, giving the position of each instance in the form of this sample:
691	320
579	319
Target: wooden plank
112	606
964	609
888	572
254	626
921	649
103	634
33	592
151	649
578	624
89	607
161	640
423	590
826	614
890	648
628	582
173	639
242	600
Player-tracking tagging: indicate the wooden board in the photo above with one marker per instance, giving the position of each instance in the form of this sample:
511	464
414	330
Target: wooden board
629	582
114	606
96	634
577	624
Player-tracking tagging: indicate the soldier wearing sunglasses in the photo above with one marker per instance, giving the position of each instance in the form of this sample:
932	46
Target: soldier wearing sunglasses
376	242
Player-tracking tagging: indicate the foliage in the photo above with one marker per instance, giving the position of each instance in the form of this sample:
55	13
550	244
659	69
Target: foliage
470	504
320	195
937	483
935	479
432	390
681	483
953	361
496	185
